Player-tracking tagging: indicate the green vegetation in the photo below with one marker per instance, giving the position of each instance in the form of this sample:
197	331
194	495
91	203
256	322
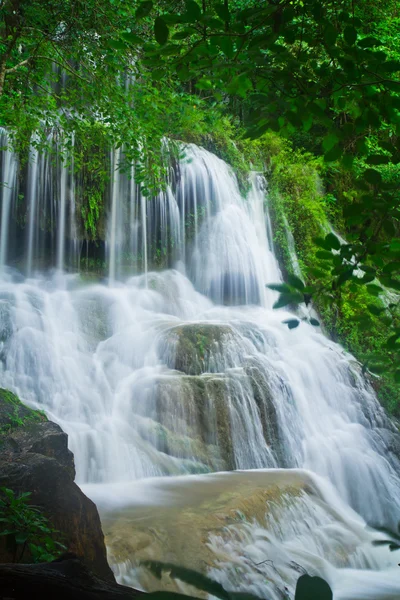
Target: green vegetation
325	75
14	414
26	530
298	185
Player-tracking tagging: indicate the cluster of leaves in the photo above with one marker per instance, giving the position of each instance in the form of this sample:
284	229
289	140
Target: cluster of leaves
307	588
26	529
306	66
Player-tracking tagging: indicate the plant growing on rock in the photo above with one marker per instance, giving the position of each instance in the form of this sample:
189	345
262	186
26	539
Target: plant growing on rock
26	530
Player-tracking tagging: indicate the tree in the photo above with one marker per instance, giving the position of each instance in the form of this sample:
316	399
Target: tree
312	66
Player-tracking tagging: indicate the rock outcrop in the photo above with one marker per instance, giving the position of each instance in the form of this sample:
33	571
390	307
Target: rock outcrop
197	348
63	579
34	457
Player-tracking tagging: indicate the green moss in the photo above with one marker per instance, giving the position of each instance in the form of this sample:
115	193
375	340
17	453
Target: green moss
14	414
195	345
298	184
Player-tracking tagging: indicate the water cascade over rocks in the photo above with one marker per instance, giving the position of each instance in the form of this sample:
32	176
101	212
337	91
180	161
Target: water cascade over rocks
188	370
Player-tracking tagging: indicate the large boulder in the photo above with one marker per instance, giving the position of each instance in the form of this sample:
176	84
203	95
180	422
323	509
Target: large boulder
187	417
45	438
34	457
63	579
196	348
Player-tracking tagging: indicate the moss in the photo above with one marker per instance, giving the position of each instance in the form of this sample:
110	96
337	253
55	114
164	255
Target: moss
298	199
195	348
14	414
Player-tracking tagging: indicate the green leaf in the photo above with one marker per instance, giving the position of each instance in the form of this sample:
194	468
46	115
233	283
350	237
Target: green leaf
334	154
324	255
226	45
197	580
285	299
132	38
369	42
350	35
279	287
143	9
392	341
193	11
292	323
375	310
372	176
158	74
204	84
391	267
161	31
377	159
374	290
295	281
222	11
182	35
314	322
117	44
332	241
20	538
330	141
312	588
345	276
393	284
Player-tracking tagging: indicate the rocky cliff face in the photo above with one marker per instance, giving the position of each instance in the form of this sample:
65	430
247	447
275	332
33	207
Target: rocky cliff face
34	457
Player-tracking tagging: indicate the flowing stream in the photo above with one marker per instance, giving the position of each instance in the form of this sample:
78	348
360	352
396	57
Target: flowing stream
187	370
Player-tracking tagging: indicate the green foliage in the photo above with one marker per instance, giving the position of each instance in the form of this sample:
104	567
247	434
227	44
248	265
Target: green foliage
15	414
355	312
306	67
26	530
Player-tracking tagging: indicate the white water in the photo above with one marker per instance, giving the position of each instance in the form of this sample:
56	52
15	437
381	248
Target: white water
100	358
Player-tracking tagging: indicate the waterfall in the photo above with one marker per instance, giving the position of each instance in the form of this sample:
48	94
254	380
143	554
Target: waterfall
32	206
62	216
8	191
187	369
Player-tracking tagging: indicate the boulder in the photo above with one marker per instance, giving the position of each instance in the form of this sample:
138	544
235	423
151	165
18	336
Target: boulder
63	579
188	417
34	457
62	502
197	348
46	438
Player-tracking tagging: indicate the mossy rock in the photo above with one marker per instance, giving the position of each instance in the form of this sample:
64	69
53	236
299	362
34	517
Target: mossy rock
14	414
94	319
263	395
197	348
188	417
6	326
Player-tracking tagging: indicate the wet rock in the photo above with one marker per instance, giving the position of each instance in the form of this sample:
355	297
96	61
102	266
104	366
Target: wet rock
45	438
62	502
197	348
188	417
63	579
198	509
6	325
263	396
34	457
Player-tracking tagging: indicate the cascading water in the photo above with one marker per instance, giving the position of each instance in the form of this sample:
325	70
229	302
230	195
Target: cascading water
186	370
